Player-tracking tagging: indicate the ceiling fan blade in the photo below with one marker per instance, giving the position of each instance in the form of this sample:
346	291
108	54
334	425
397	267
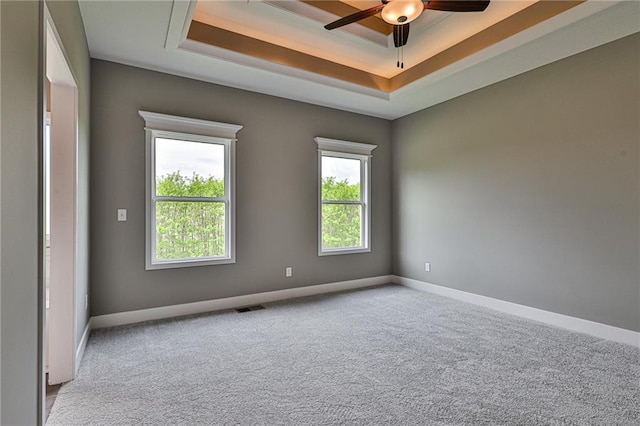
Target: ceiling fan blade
354	17
400	34
458	6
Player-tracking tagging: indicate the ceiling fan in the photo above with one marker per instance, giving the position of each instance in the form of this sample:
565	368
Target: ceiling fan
400	13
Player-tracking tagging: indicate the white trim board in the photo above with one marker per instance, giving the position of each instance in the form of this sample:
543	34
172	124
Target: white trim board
340	146
131	317
174	123
83	344
579	325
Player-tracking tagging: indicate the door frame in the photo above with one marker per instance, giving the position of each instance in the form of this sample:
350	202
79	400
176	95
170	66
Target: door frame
64	217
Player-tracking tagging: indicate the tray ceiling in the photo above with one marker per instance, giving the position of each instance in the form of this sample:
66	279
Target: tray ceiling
281	48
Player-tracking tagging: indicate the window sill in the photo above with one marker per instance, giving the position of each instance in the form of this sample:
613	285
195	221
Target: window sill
335	252
190	263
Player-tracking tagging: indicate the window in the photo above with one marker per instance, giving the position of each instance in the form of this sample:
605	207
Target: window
344	194
190	191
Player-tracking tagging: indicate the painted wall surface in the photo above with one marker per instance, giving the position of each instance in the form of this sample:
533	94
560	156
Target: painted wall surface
528	190
68	21
19	226
0	213
19	193
276	191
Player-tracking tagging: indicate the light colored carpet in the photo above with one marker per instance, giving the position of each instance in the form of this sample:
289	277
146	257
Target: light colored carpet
385	355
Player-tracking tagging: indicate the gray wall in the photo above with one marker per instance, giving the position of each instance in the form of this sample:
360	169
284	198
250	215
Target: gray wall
68	21
276	191
0	214
19	193
528	190
19	180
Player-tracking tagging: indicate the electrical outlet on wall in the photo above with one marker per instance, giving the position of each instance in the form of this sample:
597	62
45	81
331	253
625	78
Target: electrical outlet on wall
86	301
288	271
427	267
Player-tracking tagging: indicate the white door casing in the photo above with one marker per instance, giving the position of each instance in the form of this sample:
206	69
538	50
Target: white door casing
61	341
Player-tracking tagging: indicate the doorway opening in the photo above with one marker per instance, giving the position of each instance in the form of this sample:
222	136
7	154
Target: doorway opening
60	146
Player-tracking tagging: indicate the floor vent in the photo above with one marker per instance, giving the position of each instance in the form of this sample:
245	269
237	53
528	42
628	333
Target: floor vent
250	308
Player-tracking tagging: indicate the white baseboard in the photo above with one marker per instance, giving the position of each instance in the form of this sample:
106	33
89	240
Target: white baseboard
592	328
131	317
82	346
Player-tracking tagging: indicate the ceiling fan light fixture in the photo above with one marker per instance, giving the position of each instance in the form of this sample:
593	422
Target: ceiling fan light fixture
398	12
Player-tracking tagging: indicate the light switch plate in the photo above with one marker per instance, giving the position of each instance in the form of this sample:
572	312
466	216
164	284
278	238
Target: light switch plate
122	215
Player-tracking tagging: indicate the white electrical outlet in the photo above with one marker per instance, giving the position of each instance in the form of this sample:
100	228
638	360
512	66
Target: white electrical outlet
427	267
289	271
86	301
122	215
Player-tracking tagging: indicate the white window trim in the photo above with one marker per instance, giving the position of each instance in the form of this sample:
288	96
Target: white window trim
354	150
189	129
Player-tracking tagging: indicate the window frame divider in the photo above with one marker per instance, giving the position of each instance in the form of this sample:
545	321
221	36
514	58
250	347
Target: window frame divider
190	199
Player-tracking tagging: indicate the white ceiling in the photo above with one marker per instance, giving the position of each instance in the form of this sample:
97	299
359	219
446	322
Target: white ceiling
151	34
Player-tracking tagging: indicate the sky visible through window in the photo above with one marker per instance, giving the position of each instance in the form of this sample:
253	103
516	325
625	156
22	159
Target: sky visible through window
342	169
206	160
203	159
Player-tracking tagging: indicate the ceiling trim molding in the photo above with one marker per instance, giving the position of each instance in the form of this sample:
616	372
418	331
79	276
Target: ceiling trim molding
341	9
246	45
140	42
518	22
313	13
285	74
179	21
536	13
